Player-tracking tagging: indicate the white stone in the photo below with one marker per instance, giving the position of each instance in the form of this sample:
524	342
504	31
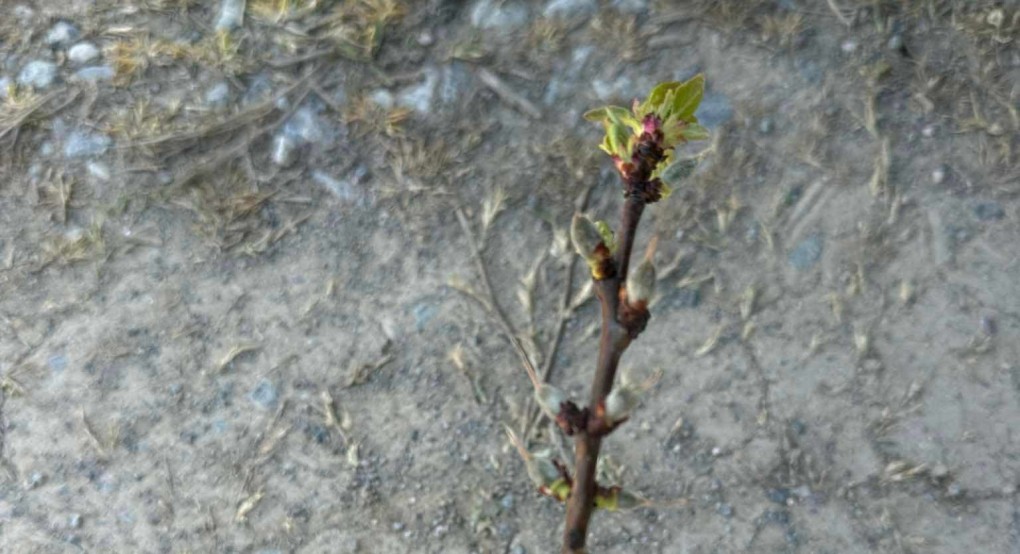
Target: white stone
82	53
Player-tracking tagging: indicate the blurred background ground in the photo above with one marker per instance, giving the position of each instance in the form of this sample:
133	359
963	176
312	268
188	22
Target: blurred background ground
240	312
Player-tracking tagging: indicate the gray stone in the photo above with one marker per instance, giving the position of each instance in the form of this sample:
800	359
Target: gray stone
84	144
231	15
423	314
61	34
570	8
82	53
304	126
95	73
715	110
419	97
344	189
454	82
74	521
382	98
807	253
507	502
99	170
218	96
259	89
494	14
264	395
989	211
24	14
57	363
630	6
284	150
38	74
809	70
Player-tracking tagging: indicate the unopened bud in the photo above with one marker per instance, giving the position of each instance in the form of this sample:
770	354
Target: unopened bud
550	398
641	283
620	402
541	469
585	236
628	501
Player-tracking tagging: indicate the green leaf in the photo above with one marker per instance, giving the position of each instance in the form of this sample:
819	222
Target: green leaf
656	97
619	138
687	97
607	235
624	117
694	132
598	114
679	171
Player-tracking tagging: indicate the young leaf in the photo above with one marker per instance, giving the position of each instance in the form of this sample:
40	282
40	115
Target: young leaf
597	115
687	97
607	235
694	132
657	96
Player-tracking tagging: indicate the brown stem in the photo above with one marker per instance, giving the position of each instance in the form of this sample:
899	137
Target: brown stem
613	340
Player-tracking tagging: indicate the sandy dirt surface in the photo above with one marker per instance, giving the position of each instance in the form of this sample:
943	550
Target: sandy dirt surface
240	311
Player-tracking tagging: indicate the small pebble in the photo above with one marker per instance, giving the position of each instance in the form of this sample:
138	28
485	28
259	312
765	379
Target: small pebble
928	131
218	96
36	479
382	98
284	151
724	510
766	126
779	496
848	46
231	15
82	53
264	394
57	363
807	253
83	144
62	34
630	6
419	97
498	15
518	549
343	189
74	521
938	175
570	8
38	74
95	74
98	170
989	211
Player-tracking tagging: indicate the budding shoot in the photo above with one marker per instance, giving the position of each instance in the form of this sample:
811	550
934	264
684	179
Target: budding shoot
641	283
584	235
541	469
590	244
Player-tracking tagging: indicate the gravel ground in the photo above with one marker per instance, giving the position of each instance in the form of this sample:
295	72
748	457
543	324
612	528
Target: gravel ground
240	310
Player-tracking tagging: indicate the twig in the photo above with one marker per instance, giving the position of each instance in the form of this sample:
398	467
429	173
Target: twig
614	339
565	310
489	299
839	13
506	94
